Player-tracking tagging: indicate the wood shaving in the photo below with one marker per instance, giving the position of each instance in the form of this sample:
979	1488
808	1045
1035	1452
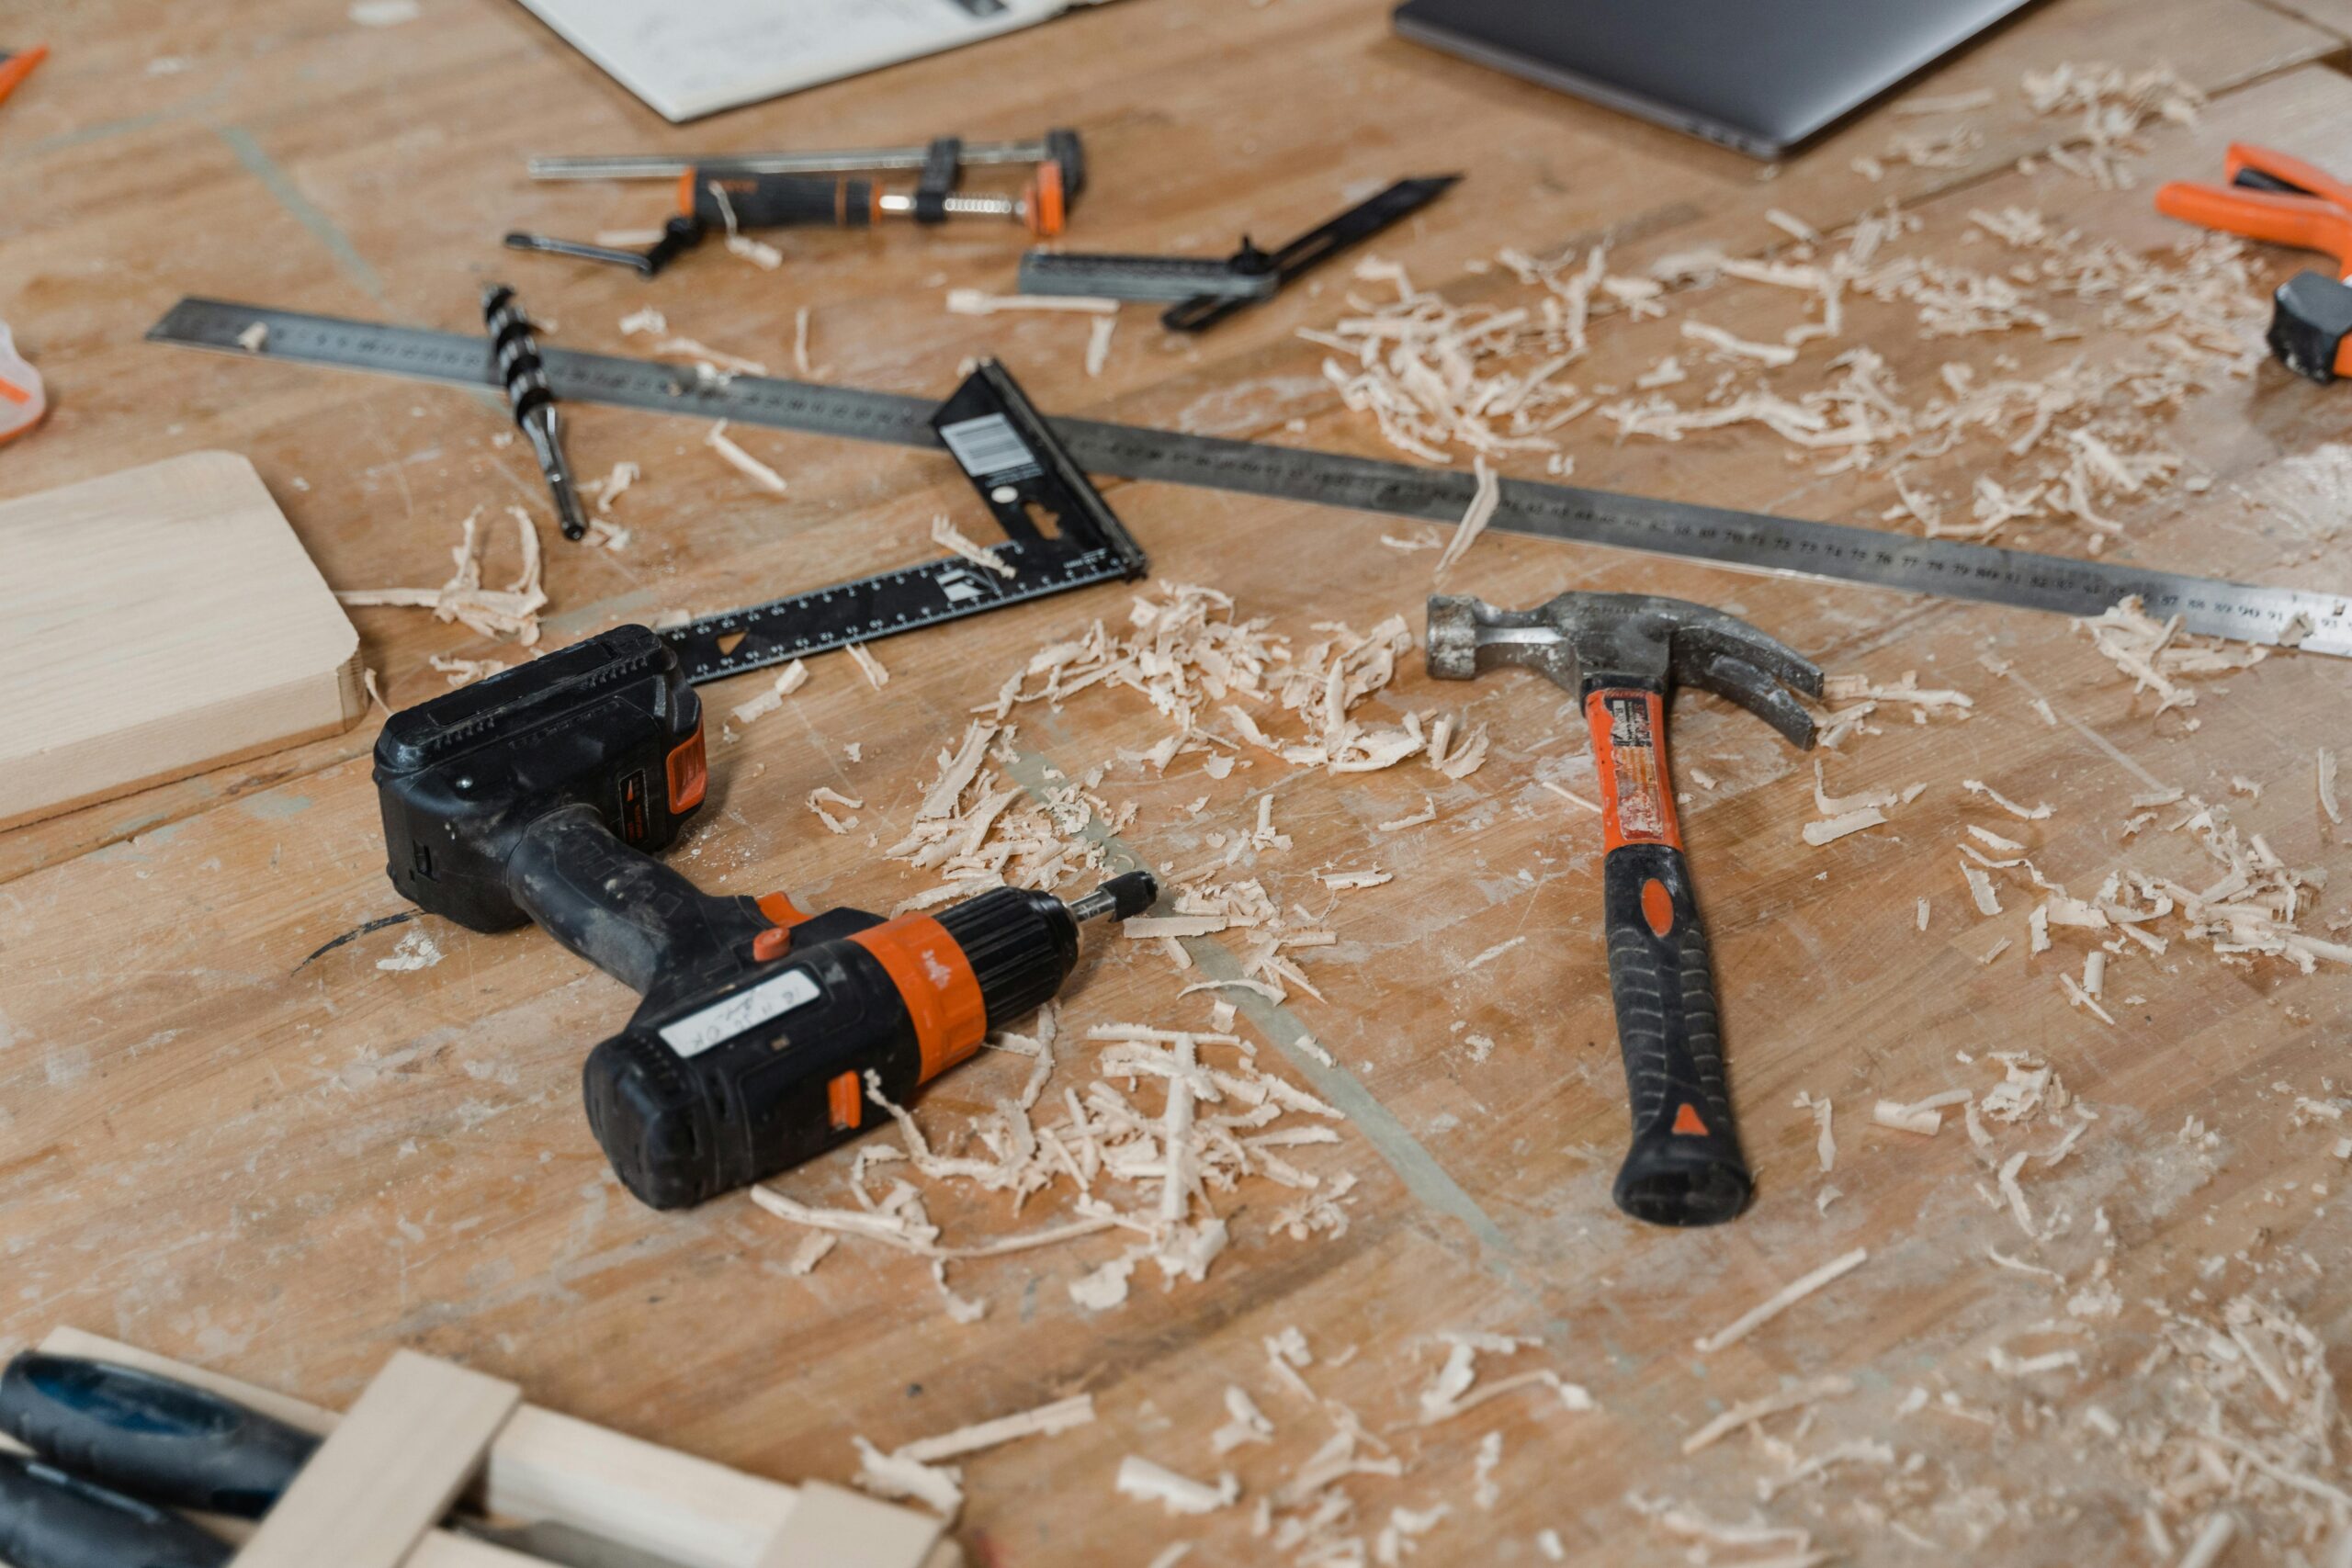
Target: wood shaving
1484	500
1780	1301
252	339
463	670
2157	657
1451	1391
807	372
2327	777
1747	1413
1571	798
1926	1121
822	797
1151	1483
711	364
1819	833
2024	813
1098	343
511	612
609	488
743	462
979	302
867	665
914	1469
1825	1141
947	534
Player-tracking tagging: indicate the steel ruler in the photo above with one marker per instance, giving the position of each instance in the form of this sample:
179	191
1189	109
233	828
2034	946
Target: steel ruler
2318	623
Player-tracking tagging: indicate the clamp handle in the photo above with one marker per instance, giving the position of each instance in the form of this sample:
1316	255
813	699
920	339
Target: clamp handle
775	201
1684	1166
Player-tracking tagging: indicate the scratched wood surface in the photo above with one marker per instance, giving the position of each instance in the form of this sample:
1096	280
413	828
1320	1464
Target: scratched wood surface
231	1137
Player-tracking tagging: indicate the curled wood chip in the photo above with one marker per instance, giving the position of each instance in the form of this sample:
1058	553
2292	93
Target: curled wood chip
2326	774
1739	347
743	462
1141	1478
1750	1411
2026	813
252	339
1781	1301
1485	498
1819	833
512	611
1924	1119
945	533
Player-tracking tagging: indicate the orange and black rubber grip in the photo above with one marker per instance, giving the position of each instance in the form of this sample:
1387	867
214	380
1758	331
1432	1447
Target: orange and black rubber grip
1685	1166
777	202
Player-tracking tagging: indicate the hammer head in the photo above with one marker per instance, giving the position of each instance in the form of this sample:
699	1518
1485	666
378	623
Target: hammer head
1584	640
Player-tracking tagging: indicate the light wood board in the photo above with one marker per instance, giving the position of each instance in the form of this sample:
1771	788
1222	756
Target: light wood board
156	623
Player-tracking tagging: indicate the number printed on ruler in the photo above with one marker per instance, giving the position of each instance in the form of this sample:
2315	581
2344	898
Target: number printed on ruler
989	449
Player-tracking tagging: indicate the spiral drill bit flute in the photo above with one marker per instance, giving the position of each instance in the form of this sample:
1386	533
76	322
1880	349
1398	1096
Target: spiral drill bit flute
517	354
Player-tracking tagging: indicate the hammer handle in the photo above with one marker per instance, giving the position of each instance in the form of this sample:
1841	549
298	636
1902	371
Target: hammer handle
1684	1166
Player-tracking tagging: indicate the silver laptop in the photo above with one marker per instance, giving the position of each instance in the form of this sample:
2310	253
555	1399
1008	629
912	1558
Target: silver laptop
1760	75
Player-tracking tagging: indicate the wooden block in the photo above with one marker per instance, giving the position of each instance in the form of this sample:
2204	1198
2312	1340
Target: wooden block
153	623
388	1472
842	1529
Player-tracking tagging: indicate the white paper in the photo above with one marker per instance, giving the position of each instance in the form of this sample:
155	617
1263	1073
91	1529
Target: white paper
687	60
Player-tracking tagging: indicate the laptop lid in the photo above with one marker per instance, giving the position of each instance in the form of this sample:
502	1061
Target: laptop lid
1757	74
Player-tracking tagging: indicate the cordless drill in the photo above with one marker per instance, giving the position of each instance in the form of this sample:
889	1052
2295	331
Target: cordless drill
543	794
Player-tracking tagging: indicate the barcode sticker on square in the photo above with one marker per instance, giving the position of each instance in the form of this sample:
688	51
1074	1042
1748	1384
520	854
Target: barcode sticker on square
988	446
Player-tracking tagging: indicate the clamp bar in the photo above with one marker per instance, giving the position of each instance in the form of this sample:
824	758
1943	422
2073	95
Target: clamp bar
857	159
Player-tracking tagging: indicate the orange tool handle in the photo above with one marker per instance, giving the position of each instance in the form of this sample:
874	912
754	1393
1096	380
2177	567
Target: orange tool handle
2309	178
2306	223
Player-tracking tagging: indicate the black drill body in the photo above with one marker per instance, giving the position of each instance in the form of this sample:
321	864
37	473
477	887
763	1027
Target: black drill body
543	792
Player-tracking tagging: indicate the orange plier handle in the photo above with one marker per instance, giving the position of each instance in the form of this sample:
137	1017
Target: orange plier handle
2270	196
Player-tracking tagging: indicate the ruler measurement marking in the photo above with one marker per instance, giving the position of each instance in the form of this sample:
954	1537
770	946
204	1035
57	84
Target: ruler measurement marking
1707	535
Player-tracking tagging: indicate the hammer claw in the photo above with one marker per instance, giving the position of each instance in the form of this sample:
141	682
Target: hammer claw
1742	682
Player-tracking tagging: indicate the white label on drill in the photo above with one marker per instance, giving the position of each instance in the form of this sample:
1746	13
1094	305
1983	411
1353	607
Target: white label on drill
723	1020
988	446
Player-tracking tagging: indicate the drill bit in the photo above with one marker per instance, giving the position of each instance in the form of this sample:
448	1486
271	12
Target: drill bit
517	353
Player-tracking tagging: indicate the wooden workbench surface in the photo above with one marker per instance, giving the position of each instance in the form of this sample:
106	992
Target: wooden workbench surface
232	1137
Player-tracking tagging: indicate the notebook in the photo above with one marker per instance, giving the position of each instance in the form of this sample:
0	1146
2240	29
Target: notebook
690	59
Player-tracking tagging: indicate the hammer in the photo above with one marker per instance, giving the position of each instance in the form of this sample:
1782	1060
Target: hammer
1622	654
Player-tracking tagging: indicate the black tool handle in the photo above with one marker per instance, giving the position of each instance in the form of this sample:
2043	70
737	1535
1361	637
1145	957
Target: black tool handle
1684	1167
51	1519
153	1436
775	201
620	909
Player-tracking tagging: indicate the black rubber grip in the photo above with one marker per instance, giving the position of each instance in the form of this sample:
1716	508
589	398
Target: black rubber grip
1685	1166
153	1437
782	202
618	907
51	1519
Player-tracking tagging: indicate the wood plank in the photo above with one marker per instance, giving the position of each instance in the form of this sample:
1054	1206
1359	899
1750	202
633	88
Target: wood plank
835	1527
388	1472
156	623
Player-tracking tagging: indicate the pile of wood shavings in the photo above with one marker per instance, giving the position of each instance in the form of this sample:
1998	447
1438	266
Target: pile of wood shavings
2157	658
1312	1516
510	611
2064	446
